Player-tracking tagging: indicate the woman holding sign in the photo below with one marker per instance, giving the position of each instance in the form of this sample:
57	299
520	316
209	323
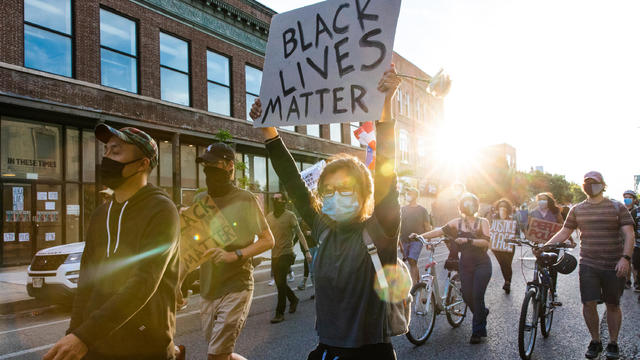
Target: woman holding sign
347	209
505	258
471	234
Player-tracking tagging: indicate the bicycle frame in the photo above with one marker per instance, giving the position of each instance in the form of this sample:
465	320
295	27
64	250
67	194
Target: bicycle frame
430	277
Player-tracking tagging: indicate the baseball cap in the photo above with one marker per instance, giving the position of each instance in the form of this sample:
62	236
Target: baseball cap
594	175
133	136
216	152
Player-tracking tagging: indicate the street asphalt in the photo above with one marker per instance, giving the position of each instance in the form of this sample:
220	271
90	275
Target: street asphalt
29	337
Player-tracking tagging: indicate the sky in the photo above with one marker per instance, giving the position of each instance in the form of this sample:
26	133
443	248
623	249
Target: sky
557	79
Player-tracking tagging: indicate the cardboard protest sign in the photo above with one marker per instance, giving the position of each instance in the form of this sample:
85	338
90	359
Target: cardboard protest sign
323	62
202	227
501	232
541	230
311	175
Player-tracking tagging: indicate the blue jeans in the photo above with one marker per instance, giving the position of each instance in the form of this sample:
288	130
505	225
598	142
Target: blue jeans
474	281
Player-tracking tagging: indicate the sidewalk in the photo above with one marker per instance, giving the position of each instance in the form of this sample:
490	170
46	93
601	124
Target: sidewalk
13	282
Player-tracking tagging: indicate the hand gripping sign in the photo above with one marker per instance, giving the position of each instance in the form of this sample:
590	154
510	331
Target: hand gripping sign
202	227
323	62
501	232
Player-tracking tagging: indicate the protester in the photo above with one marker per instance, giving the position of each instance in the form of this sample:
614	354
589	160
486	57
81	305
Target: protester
604	259
284	226
129	269
631	202
505	258
414	219
471	234
313	250
226	279
350	314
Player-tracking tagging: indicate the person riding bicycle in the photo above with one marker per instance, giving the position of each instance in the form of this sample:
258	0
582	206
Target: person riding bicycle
471	234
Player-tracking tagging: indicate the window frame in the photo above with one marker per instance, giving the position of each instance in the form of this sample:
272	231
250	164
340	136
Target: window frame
188	73
136	57
70	36
246	91
229	72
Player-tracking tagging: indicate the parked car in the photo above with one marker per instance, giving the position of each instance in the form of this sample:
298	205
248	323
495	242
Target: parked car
53	273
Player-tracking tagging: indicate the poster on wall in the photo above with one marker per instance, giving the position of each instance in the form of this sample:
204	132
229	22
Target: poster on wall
50	236
52	195
50	205
18	198
23	237
9	237
323	62
42	195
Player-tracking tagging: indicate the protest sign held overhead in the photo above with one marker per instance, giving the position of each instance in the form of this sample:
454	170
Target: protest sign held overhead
501	232
541	230
323	62
311	175
202	227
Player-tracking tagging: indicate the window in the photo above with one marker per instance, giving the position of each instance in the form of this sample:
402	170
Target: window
290	127
118	52
354	140
256	172
188	171
313	130
72	171
174	70
253	80
274	181
399	99
72	213
407	100
47	36
165	149
218	84
403	145
422	146
418	110
335	132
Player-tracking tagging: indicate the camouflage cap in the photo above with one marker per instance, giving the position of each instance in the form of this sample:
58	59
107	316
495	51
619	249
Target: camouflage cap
133	136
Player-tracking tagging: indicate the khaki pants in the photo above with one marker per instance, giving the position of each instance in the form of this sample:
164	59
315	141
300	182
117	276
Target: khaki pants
223	319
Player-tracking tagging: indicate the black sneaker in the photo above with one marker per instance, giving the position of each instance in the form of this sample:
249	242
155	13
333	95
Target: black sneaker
293	306
506	287
475	339
613	352
277	319
594	350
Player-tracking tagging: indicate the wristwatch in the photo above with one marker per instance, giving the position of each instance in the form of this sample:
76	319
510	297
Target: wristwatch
627	257
239	254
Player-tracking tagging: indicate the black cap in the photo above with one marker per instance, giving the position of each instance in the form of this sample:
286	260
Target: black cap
216	152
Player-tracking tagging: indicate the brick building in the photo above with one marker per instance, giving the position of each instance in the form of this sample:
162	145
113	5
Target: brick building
182	70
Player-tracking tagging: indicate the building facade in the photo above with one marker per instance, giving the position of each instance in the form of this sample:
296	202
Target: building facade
181	70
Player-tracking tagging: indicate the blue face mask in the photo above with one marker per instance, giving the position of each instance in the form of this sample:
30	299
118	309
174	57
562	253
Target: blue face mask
339	207
628	201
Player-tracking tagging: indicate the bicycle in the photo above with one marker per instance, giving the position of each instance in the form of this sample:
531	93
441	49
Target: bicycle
426	291
539	300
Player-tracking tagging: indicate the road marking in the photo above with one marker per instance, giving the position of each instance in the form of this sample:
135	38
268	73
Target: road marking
28	351
34	326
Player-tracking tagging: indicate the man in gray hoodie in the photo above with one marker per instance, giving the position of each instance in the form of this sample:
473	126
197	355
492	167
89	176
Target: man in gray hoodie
125	303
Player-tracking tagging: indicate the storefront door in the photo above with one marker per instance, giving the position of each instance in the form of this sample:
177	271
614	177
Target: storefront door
48	216
17	224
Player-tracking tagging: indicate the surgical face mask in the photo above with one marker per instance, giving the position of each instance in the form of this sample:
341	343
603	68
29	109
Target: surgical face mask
469	208
410	198
341	207
503	213
543	204
628	201
593	189
111	172
278	207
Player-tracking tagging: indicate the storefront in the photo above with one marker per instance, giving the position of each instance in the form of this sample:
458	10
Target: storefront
49	186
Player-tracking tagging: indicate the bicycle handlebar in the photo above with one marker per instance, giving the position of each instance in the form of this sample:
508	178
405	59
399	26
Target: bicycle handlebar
434	242
534	245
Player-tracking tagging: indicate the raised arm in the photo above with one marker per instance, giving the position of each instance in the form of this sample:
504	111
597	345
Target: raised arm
387	208
286	168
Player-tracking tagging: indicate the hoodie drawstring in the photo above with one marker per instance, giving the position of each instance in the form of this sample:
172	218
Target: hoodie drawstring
119	224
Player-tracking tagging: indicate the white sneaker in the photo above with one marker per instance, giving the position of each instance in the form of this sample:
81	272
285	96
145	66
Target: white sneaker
271	282
291	276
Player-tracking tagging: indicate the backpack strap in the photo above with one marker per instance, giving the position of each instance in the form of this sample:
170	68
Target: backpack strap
323	236
375	258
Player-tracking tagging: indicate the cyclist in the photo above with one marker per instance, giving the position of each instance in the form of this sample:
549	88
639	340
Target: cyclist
604	260
414	219
505	258
631	202
471	234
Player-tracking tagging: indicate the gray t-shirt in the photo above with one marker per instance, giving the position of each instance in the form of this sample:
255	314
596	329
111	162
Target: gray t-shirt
240	208
283	229
413	221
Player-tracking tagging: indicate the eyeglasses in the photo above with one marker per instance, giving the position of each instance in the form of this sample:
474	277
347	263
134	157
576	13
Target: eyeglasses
330	191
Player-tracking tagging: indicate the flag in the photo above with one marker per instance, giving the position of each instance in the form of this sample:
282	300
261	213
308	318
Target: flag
366	135
370	159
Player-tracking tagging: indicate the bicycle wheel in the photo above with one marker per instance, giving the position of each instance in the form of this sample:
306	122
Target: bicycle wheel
423	314
528	326
546	312
458	310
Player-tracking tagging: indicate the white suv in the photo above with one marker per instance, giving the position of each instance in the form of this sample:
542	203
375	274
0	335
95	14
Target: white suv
53	273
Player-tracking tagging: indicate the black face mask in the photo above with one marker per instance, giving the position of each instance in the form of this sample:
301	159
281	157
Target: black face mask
278	208
111	172
218	180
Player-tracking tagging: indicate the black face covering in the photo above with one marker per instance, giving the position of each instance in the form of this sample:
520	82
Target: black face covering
278	208
111	172
218	181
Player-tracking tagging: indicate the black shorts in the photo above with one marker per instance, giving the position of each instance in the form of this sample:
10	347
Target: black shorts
635	260
596	284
